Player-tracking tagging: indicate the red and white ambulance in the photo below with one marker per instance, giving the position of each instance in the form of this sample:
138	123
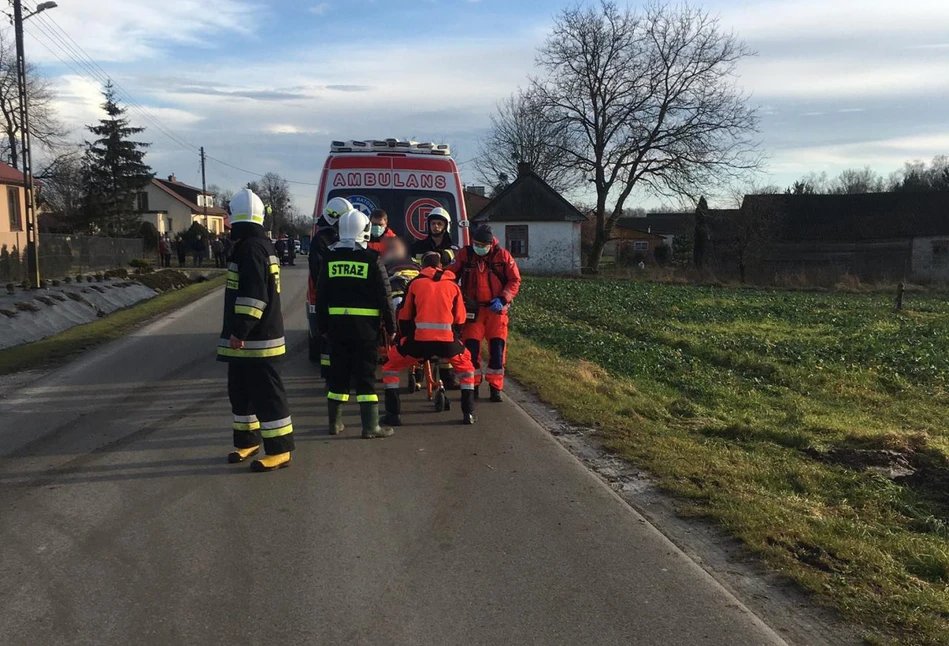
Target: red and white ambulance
407	179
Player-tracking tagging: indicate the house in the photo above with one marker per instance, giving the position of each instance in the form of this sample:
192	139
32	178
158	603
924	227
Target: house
669	226
875	236
536	224
475	201
12	209
173	207
635	245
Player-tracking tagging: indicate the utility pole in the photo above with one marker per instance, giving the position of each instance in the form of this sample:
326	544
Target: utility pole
32	243
204	189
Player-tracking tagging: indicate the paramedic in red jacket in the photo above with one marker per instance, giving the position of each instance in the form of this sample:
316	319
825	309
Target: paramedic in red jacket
380	232
430	320
490	280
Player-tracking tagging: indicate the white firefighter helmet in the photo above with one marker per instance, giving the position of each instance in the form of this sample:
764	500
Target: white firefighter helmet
440	214
245	206
354	230
336	208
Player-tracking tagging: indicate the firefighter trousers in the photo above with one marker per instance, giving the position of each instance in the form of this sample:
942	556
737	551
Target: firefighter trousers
492	327
398	362
259	404
353	362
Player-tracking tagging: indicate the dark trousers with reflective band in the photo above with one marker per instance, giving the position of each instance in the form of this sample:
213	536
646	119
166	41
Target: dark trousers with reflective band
259	403
324	358
353	363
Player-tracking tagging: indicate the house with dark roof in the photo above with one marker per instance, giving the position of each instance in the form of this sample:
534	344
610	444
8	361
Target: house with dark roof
874	236
173	206
536	224
12	209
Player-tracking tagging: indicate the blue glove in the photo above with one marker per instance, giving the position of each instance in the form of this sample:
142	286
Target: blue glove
497	306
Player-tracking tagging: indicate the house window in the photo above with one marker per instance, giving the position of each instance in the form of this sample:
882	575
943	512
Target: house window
516	238
13	204
143	202
641	245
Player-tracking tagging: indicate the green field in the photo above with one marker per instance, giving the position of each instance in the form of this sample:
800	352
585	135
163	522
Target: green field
811	425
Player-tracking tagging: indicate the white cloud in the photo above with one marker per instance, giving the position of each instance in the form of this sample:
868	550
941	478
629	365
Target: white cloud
885	154
131	30
320	9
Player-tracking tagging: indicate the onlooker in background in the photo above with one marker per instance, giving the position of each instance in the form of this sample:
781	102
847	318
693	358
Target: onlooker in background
217	248
181	250
164	250
292	250
200	249
228	246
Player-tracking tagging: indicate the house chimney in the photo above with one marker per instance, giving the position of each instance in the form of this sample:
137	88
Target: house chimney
523	168
172	178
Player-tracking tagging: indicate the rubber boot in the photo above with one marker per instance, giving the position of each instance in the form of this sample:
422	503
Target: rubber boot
336	416
369	412
270	463
393	408
496	395
239	455
467	407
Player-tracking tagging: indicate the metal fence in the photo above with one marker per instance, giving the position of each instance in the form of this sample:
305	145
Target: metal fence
65	255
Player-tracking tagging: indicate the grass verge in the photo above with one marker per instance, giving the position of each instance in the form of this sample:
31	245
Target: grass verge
61	347
810	426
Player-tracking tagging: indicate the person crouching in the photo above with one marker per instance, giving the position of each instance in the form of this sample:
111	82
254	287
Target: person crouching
430	319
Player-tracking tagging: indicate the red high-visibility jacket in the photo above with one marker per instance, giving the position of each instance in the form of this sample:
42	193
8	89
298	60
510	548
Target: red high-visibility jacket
484	278
379	244
433	306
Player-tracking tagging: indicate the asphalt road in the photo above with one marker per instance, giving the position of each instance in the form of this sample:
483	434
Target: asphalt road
121	522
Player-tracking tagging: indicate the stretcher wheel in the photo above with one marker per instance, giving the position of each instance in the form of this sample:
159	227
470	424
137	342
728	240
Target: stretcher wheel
413	383
441	401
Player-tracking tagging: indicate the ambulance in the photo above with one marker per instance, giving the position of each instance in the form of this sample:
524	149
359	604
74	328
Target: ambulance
406	179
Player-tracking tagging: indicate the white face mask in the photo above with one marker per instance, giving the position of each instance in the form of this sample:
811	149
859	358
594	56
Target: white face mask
481	251
377	230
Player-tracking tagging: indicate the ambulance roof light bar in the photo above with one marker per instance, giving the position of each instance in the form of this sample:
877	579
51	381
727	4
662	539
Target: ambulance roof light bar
390	145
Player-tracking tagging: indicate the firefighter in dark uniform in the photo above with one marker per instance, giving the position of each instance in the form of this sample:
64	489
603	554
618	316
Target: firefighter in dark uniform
327	234
253	340
353	302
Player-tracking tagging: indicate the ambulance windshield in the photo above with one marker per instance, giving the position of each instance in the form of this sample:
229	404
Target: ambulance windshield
407	210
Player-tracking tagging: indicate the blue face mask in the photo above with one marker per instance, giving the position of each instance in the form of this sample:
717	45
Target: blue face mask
377	231
481	251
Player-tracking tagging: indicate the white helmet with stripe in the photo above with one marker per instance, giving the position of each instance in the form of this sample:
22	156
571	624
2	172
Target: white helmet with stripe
245	206
354	230
440	214
336	208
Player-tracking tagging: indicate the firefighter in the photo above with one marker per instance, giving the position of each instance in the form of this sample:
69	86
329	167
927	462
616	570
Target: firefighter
490	280
438	225
253	340
353	302
380	233
430	321
327	234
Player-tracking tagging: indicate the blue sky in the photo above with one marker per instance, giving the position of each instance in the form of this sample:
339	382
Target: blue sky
266	85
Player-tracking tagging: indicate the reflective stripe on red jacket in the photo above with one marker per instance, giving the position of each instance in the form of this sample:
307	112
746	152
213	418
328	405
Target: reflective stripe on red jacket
433	306
484	278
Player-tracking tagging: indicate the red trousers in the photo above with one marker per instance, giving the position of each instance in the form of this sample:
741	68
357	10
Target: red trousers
493	327
398	363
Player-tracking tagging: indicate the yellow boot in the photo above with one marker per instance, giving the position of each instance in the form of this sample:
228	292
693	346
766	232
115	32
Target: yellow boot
239	455
271	463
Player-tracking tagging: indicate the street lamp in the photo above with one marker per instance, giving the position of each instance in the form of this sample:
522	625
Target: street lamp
32	241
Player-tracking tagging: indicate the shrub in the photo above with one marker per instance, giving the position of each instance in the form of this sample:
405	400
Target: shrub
67	280
11	288
149	237
45	300
44	284
26	285
663	254
79	278
100	277
138	263
55	283
27	307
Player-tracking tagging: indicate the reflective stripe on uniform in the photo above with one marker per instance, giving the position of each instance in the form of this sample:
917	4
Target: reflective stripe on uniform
246	423
362	399
277	428
467	386
433	326
352	311
233	267
274	261
390	373
249	311
251	302
257	345
466	375
254	349
494	371
338	397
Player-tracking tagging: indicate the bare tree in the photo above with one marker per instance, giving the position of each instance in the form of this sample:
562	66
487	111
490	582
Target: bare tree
275	193
521	133
917	176
46	130
61	184
857	180
222	196
647	101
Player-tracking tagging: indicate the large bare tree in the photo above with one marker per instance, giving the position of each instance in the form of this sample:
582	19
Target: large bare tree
46	130
61	184
521	133
647	101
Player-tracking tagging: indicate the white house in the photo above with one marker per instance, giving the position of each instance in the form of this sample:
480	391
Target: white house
536	224
173	207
